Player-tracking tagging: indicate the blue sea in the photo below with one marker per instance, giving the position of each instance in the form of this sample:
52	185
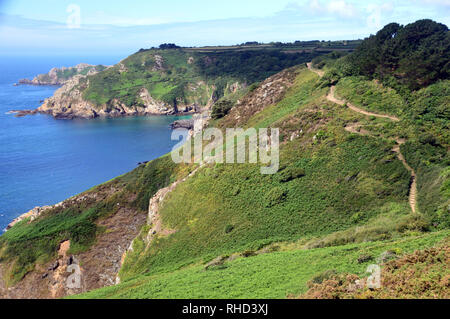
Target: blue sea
44	161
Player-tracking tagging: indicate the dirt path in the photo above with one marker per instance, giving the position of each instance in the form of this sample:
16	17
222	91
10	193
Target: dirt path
317	71
356	128
332	97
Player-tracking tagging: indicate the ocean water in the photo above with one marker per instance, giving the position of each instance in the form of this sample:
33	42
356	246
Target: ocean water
44	161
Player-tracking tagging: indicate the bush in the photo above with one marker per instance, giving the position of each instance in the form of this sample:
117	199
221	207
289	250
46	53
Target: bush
291	173
221	108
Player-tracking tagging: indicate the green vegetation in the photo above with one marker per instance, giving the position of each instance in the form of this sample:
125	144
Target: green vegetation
371	95
423	274
71	72
316	180
179	76
338	201
415	55
249	66
221	108
272	275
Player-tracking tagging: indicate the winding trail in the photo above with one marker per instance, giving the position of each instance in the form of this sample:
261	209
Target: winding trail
332	97
355	128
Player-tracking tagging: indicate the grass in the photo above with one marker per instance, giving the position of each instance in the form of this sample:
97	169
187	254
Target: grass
273	275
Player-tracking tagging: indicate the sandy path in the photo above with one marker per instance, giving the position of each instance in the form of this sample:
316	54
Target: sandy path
413	188
332	97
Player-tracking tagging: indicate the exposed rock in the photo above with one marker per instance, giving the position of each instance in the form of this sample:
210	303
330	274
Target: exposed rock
21	113
364	258
219	261
386	256
159	63
271	91
186	124
32	214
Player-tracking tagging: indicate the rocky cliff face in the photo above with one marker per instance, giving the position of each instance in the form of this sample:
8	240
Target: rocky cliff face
68	103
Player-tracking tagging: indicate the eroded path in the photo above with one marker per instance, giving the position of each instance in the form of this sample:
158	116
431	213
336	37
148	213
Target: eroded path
356	128
317	71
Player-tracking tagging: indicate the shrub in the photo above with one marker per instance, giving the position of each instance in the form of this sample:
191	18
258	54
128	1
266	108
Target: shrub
221	108
321	277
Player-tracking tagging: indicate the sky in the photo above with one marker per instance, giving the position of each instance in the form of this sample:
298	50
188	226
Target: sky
101	27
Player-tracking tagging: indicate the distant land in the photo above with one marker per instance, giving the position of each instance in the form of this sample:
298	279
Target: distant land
170	79
60	76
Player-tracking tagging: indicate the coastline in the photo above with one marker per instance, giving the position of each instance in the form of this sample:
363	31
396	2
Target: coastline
22	113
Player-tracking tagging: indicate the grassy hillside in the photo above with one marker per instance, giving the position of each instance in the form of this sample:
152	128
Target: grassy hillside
347	181
275	275
423	274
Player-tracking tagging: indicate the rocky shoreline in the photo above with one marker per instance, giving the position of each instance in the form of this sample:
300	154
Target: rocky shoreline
32	214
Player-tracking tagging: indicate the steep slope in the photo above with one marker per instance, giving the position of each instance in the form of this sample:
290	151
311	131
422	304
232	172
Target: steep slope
283	272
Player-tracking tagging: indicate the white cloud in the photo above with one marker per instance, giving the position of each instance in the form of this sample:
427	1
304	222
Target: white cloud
340	8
